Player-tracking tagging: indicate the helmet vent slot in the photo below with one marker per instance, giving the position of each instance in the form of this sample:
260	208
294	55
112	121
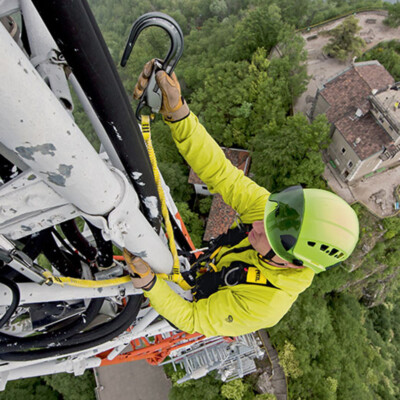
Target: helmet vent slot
330	251
333	252
324	247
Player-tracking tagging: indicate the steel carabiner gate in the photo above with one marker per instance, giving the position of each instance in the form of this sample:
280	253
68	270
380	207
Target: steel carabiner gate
152	96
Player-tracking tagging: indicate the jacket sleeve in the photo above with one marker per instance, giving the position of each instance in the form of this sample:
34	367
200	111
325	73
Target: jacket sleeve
228	312
209	162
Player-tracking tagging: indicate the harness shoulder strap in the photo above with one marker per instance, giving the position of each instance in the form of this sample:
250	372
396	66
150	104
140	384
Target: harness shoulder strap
232	237
237	273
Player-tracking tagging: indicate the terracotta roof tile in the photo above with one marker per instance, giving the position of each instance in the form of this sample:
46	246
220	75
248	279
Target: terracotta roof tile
376	76
194	179
345	94
350	91
220	218
364	134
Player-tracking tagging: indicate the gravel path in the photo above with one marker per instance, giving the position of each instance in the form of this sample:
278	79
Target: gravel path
136	380
276	382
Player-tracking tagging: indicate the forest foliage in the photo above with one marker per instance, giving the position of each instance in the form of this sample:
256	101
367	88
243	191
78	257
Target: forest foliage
337	341
344	43
332	344
393	19
52	387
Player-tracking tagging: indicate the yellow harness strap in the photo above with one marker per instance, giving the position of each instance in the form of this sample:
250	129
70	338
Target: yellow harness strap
176	274
83	283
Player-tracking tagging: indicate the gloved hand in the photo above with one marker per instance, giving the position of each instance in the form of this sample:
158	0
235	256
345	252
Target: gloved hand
174	108
142	275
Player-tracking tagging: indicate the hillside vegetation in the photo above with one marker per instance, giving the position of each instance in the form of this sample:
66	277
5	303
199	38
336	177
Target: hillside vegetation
339	341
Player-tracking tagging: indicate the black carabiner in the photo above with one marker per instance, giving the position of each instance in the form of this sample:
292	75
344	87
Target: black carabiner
152	96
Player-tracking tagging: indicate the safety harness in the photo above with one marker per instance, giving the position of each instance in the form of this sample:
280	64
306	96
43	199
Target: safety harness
237	273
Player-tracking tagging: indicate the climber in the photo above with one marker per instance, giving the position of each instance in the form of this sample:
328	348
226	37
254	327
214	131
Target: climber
257	277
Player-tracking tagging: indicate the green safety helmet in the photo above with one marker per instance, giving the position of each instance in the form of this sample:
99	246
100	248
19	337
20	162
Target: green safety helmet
310	227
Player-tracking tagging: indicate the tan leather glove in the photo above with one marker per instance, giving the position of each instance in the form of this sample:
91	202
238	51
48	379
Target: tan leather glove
143	79
142	275
174	108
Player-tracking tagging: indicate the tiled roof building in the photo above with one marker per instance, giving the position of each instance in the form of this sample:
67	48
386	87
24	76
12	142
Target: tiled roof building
361	103
221	215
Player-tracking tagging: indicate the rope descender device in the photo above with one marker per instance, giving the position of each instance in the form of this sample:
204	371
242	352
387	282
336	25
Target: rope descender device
152	96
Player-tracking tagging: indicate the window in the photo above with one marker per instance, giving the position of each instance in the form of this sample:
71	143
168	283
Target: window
349	164
343	150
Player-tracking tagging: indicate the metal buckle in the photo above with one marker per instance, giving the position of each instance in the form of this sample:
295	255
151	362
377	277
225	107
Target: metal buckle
226	276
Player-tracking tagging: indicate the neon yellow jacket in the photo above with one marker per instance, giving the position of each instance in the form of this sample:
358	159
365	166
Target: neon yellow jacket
232	310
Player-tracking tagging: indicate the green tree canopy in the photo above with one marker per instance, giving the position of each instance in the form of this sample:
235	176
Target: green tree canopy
29	389
290	154
260	28
393	18
236	390
207	388
291	65
239	98
344	43
193	223
73	387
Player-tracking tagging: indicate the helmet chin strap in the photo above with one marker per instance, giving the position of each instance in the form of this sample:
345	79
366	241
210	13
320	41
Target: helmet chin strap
269	256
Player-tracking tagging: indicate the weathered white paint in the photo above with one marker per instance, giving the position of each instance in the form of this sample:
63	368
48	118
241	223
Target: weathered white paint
37	127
